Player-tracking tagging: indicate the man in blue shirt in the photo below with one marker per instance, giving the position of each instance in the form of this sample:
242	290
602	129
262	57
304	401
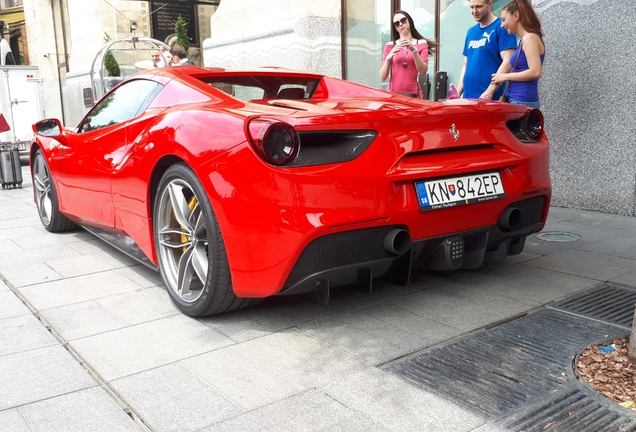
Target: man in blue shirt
487	50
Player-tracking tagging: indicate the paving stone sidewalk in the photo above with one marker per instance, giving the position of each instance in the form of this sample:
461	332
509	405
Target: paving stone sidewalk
90	341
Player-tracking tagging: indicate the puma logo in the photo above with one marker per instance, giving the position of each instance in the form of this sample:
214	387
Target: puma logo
481	42
487	35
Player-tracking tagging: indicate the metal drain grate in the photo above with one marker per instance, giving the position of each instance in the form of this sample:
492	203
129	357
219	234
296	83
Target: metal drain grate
573	409
508	367
608	302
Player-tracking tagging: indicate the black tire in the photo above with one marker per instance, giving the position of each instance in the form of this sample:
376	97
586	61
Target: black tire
190	248
46	197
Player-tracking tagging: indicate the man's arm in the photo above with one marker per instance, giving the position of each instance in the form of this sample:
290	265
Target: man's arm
504	67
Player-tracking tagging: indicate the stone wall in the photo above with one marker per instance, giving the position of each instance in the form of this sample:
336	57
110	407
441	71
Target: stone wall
588	94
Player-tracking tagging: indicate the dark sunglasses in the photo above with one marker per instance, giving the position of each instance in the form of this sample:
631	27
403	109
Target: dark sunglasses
396	24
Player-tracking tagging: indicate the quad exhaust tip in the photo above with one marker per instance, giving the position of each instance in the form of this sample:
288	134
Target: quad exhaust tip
510	219
397	241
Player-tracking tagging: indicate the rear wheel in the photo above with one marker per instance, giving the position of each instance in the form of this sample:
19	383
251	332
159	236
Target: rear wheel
190	248
46	197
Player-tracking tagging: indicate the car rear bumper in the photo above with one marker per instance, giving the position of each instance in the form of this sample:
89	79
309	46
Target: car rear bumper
290	230
359	256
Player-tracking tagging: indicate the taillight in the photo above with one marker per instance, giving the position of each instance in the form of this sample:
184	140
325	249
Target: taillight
534	124
276	142
528	128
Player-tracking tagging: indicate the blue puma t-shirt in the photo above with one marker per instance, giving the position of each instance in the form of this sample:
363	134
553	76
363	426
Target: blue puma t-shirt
482	48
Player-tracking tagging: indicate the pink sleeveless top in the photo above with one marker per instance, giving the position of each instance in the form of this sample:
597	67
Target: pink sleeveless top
404	79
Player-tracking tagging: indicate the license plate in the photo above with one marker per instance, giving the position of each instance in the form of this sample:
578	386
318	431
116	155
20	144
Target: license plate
456	191
21	146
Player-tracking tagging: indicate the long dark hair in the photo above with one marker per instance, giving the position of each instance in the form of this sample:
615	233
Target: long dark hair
395	35
527	16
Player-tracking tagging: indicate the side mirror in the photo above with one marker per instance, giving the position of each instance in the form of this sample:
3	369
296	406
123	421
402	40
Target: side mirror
48	128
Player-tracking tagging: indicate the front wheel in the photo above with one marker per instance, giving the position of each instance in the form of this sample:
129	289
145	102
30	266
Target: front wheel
46	197
190	248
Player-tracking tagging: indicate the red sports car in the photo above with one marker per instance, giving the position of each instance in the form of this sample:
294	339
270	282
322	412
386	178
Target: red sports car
242	184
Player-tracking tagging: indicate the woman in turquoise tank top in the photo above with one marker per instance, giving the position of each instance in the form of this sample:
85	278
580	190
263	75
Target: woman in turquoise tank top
526	63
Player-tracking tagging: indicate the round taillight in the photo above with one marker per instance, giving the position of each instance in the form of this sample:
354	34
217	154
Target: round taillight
276	142
533	124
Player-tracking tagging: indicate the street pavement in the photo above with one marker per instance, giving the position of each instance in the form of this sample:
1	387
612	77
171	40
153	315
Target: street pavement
89	340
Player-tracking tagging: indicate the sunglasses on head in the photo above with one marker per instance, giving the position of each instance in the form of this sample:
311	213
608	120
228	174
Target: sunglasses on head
396	24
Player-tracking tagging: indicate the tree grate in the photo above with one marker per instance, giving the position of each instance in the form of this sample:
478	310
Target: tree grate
606	302
575	408
504	369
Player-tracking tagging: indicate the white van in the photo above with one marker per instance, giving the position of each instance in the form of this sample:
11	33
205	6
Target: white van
20	103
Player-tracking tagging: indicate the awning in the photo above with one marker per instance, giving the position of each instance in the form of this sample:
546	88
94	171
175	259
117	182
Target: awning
14	17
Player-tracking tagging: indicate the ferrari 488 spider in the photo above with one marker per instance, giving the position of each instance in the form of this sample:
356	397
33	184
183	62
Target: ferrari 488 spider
242	184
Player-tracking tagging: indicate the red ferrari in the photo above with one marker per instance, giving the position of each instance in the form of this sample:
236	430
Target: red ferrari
242	184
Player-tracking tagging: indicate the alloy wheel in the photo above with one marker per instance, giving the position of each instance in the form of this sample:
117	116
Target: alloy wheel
183	241
42	185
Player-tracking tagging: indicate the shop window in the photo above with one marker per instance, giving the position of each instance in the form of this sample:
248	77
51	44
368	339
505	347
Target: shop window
367	30
455	19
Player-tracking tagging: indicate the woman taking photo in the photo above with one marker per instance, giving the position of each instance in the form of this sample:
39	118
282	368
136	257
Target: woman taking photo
526	63
405	56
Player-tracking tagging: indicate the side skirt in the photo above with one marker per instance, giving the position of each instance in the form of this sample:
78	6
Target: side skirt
123	243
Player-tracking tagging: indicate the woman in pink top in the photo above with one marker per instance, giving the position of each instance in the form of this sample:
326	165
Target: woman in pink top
405	56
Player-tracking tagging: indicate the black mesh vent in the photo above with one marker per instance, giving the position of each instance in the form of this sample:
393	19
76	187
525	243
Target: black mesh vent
338	250
531	210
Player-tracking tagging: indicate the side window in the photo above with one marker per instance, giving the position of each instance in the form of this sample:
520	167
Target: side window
122	104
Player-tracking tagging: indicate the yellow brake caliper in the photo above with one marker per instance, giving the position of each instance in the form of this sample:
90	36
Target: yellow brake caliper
184	238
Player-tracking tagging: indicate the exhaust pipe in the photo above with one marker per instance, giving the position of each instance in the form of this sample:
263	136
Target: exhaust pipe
397	241
510	219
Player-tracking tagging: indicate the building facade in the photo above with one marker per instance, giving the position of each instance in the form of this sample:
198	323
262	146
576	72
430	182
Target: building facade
587	88
14	31
64	37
